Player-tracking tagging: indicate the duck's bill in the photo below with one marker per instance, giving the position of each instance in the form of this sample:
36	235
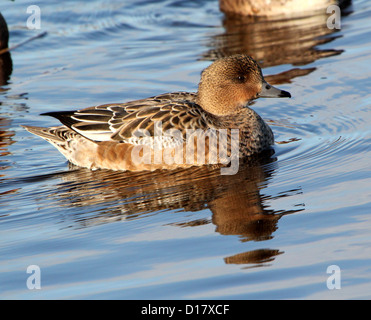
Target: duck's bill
269	91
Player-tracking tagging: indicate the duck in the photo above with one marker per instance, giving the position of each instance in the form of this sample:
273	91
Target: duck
276	8
6	64
158	132
4	33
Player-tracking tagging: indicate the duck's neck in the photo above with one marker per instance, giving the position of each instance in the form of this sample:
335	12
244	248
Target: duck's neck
241	119
216	103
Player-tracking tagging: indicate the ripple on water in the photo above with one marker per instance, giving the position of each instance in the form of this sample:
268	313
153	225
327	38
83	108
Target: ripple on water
133	224
315	149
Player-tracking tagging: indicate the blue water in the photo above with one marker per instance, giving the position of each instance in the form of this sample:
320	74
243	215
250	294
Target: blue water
269	232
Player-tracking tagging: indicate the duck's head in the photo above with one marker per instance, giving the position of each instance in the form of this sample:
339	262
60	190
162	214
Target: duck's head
230	83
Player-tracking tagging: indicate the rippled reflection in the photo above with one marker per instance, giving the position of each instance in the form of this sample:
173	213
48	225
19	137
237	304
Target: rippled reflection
276	41
236	203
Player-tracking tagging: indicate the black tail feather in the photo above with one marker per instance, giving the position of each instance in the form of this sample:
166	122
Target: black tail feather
65	117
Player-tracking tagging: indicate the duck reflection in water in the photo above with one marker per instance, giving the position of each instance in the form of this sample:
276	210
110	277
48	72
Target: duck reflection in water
277	33
236	203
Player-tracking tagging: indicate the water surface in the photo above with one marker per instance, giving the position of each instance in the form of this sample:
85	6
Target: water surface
270	231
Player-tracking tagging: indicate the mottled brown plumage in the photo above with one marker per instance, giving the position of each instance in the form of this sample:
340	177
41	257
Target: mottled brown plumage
107	136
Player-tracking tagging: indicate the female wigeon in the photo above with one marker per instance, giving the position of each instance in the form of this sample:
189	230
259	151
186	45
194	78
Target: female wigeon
270	8
118	136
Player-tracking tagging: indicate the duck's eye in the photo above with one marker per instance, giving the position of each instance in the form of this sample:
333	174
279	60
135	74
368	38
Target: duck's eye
241	78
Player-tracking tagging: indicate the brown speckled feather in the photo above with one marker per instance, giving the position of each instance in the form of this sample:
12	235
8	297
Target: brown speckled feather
163	127
130	122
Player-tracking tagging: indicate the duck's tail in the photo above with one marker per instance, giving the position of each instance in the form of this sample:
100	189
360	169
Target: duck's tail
54	135
71	144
